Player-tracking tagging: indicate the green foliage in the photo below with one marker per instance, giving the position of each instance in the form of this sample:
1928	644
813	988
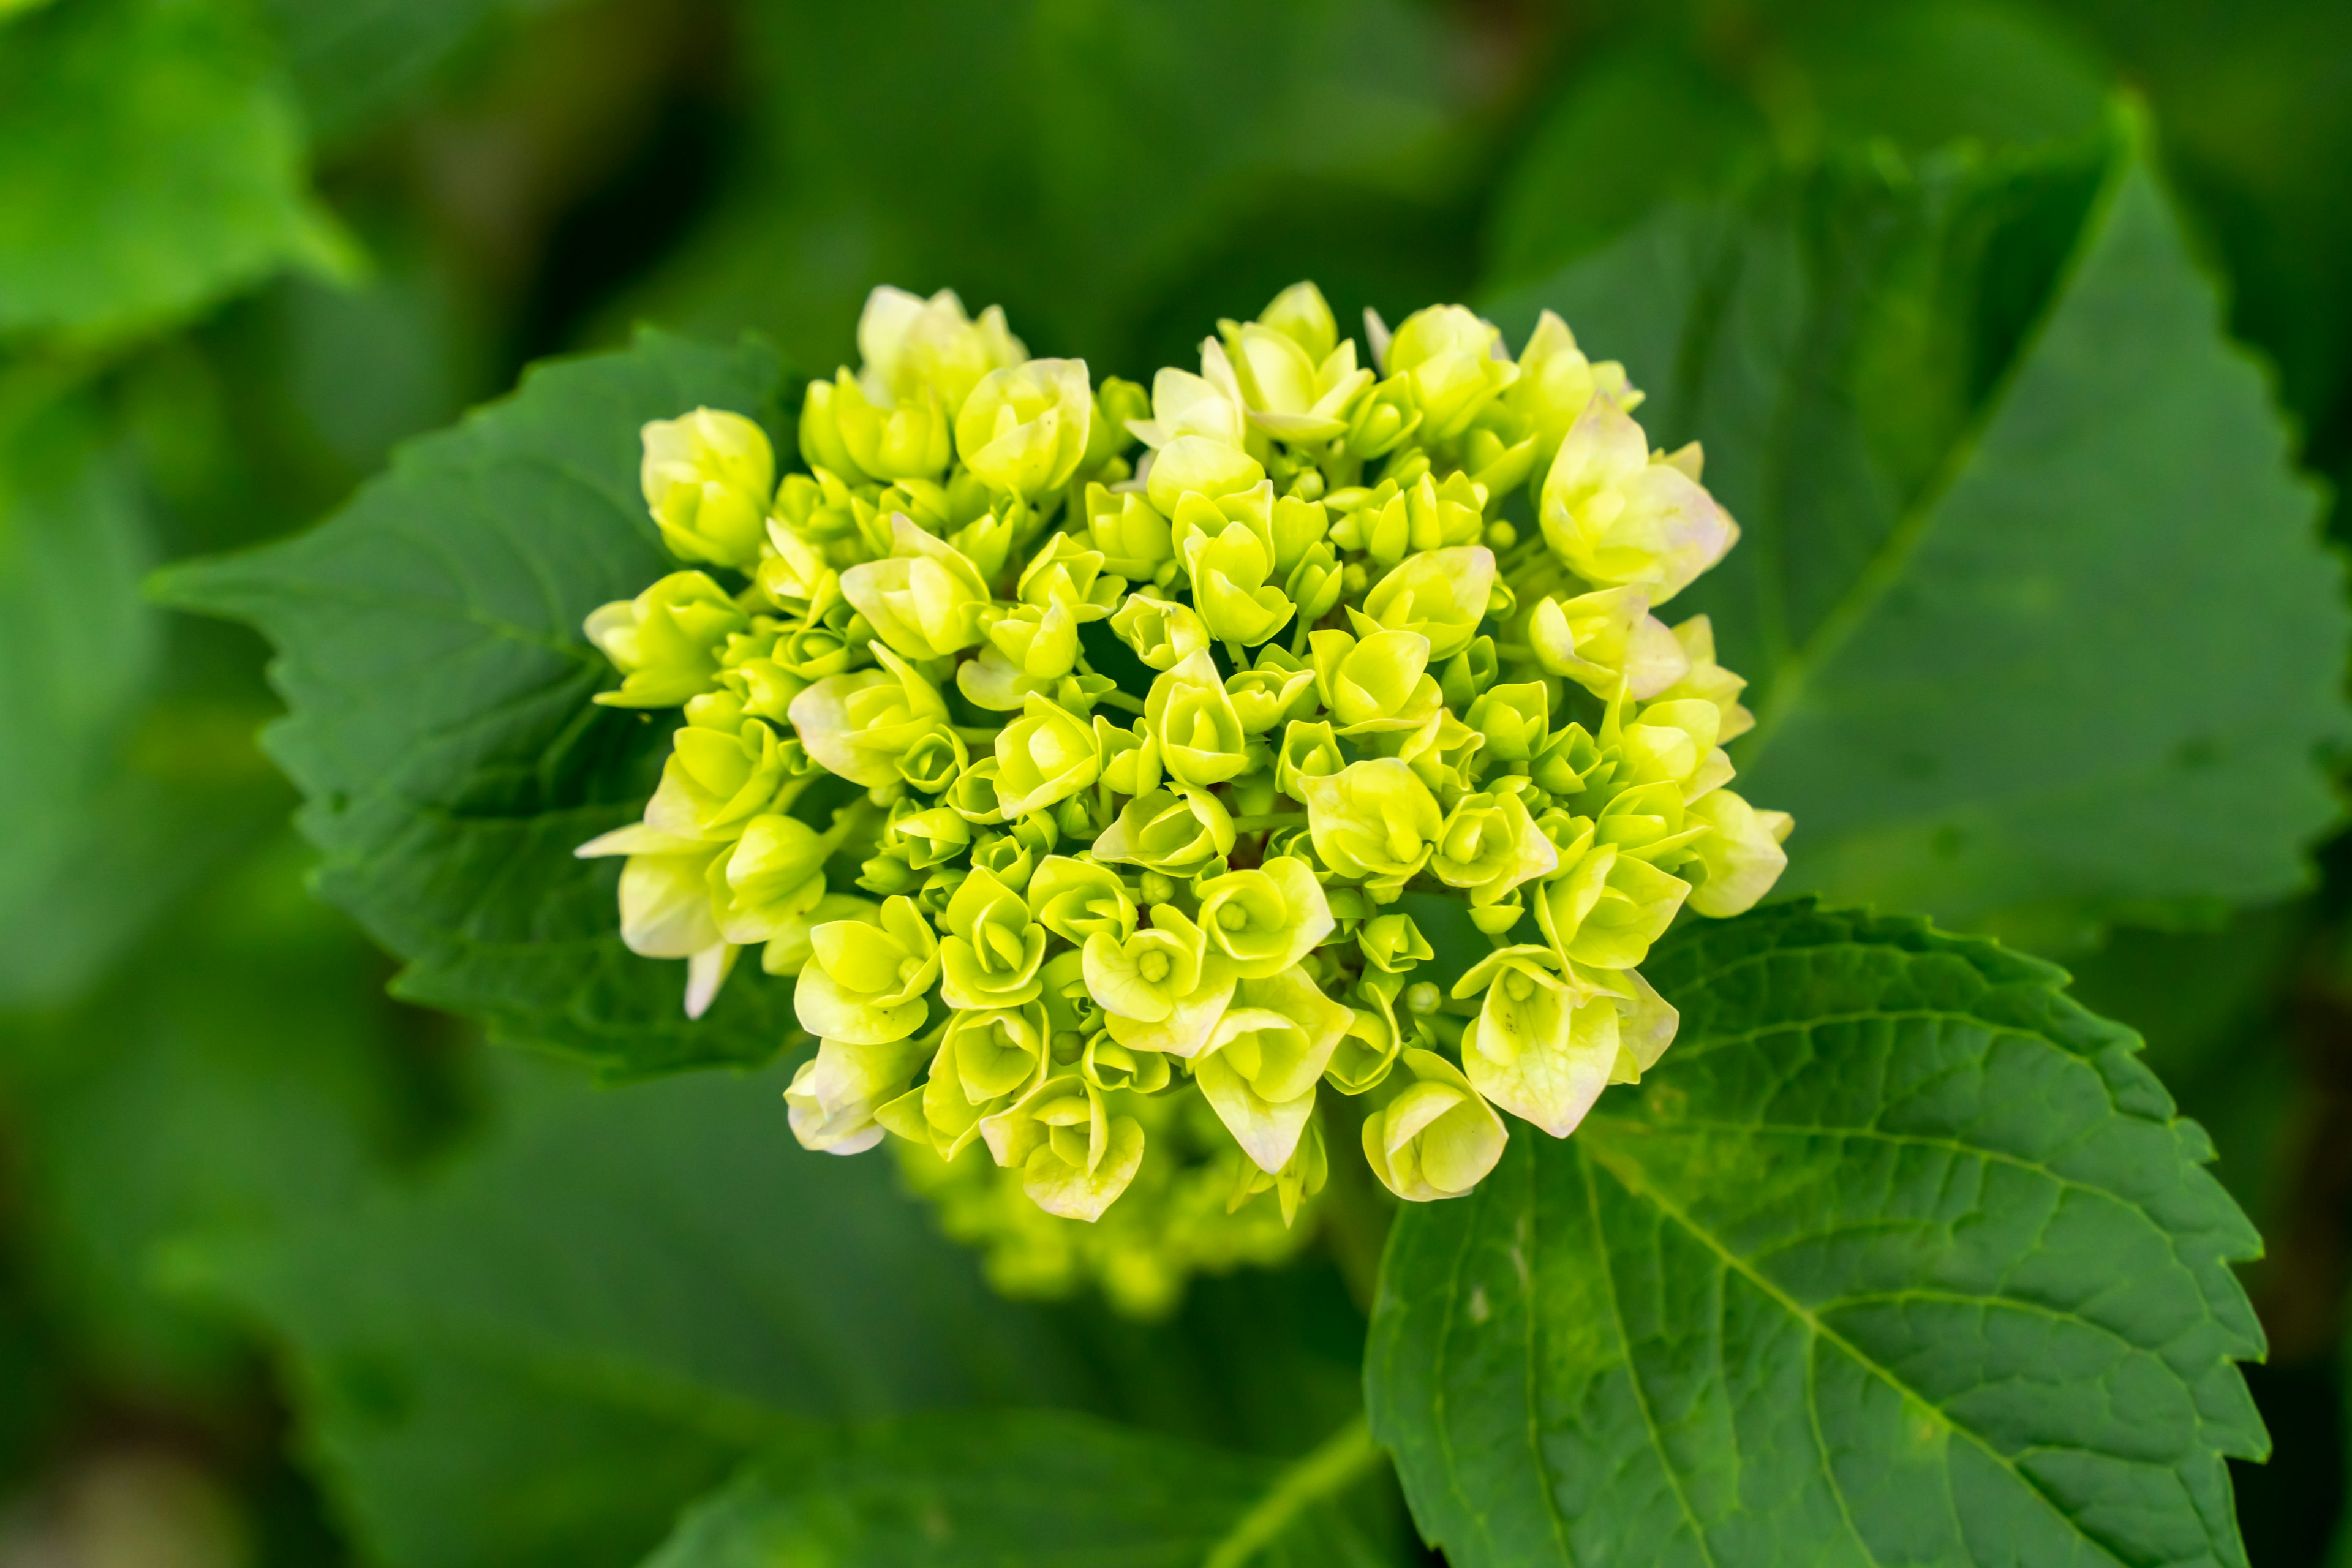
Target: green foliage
1078	164
1898	1256
438	684
247	1078
1004	1488
155	162
539	1356
1985	436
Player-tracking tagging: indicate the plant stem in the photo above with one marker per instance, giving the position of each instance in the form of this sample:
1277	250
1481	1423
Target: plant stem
1122	700
1334	1465
1268	821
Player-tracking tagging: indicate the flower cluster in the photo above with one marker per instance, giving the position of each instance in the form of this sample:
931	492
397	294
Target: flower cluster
1180	732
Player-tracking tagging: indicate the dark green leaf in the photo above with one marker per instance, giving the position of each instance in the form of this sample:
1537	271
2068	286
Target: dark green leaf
114	805
1030	1490
243	1069
1898	1256
539	1357
155	162
1074	164
430	653
355	61
2033	601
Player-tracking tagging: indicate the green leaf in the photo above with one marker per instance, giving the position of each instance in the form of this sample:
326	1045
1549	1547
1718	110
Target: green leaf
2040	627
1898	1256
1077	163
154	163
537	1359
1674	112
115	801
355	61
1029	1488
438	684
244	1068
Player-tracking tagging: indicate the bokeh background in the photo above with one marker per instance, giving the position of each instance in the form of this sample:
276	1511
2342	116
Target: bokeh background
248	247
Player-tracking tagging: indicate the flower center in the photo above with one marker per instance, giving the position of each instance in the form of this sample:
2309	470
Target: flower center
1232	917
1153	966
1518	986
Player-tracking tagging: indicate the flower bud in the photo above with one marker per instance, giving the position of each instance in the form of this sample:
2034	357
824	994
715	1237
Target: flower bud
716	780
1267	696
990	957
1301	314
1543	1047
1309	751
1266	920
1023	428
1602	639
1079	898
822	447
910	440
1199	733
1709	681
1436	1138
986	1059
1373	821
1620	517
1229	575
1300	1178
1117	401
1130	757
1200	465
1392	943
1162	633
1130	531
865	983
835	1094
1174	830
1314	585
1384	420
932	763
1556	383
1046	755
1742	856
858	726
911	345
706	476
926	600
789	949
665	641
1074	1157
927	838
1376	684
1143	974
1514	719
1450	357
1440	593
1260	1065
1290	393
774	874
1489	844
1607	908
1185	405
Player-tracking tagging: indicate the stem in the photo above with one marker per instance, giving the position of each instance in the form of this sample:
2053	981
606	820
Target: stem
979	732
1268	821
1122	700
1334	1465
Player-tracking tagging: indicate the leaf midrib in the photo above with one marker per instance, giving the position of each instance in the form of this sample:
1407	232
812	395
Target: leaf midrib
1890	559
1628	1176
